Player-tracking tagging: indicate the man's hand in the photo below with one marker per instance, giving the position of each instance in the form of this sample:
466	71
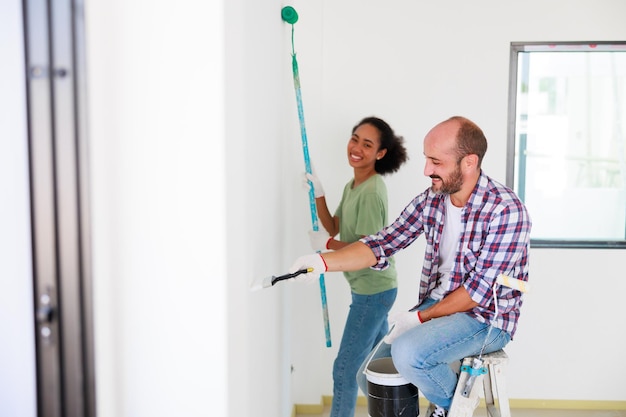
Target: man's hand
314	261
401	322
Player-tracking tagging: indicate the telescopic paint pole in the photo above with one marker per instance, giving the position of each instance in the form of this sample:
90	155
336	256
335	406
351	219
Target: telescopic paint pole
290	16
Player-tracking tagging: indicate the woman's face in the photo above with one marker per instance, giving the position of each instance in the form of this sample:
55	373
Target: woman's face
363	147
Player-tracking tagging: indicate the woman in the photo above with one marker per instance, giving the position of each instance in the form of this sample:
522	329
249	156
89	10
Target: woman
373	150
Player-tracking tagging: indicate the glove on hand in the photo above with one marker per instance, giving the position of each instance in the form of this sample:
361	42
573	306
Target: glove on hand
319	239
317	185
314	261
402	321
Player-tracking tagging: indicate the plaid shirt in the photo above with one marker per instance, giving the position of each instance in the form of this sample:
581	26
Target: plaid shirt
495	240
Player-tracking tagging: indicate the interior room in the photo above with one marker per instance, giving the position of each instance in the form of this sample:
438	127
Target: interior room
195	186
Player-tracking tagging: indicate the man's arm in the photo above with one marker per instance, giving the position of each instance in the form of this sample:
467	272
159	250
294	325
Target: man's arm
353	257
457	301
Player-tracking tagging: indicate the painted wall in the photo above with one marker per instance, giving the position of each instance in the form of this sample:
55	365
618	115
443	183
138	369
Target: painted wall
197	190
415	64
157	147
17	352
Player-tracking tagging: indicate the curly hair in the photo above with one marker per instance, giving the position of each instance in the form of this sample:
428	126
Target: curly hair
396	154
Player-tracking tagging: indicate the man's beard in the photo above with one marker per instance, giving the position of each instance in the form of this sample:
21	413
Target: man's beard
450	185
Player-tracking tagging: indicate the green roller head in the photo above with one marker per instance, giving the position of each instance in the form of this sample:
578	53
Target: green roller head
289	14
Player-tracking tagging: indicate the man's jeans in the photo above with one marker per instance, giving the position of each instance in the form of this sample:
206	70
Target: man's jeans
423	354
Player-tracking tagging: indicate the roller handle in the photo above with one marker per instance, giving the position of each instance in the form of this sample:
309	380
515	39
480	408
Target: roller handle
292	275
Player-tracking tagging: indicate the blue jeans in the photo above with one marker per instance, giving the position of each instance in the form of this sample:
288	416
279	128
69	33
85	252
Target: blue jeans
365	326
423	354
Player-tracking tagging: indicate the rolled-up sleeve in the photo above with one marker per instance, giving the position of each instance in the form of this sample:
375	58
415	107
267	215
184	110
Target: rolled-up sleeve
398	235
373	241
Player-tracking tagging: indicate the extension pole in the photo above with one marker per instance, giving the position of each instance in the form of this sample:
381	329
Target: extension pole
290	15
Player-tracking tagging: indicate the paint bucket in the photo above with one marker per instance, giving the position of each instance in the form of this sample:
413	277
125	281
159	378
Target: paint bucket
388	393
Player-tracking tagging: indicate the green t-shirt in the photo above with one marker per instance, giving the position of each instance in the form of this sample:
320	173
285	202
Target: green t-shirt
363	211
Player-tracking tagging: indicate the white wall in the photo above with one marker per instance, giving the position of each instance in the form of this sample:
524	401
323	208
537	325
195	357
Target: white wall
417	63
176	244
158	187
256	65
17	350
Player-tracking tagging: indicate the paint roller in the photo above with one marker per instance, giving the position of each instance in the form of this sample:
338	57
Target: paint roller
289	15
271	280
516	284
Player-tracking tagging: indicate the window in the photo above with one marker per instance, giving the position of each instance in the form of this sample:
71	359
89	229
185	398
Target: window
567	141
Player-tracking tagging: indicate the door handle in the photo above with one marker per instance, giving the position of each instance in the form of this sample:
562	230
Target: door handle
45	311
45	315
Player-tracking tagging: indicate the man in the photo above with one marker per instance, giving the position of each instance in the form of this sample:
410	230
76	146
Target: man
475	230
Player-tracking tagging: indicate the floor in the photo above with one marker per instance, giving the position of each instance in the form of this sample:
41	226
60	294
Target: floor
481	412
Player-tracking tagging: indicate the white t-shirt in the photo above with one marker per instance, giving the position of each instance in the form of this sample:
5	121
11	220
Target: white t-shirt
447	247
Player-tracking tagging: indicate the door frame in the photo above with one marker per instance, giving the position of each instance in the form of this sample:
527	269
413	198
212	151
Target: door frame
58	168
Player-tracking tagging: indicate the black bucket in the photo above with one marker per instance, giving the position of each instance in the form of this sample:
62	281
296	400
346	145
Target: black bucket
388	393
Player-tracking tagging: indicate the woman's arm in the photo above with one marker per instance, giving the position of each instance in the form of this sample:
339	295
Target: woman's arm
330	222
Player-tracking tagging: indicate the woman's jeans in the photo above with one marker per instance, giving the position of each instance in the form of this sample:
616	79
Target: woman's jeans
365	326
423	354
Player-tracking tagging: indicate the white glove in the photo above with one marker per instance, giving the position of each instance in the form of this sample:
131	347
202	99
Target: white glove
319	239
314	261
309	179
401	322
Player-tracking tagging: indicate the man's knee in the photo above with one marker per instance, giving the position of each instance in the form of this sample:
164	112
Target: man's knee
405	354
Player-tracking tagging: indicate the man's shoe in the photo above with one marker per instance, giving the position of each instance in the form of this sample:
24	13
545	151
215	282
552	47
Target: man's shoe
439	412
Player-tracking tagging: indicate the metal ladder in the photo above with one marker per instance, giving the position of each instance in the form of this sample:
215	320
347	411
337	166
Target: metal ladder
492	376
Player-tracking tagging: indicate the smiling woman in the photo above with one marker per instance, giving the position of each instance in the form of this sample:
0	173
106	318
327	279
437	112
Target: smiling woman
373	150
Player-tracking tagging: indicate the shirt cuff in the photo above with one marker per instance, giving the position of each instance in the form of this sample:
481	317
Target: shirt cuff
381	259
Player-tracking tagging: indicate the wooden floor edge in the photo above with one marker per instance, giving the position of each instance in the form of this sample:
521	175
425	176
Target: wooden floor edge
514	403
568	404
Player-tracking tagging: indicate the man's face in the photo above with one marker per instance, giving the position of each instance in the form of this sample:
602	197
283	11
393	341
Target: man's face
442	163
449	184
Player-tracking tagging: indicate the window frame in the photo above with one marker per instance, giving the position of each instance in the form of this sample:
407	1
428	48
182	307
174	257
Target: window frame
515	49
